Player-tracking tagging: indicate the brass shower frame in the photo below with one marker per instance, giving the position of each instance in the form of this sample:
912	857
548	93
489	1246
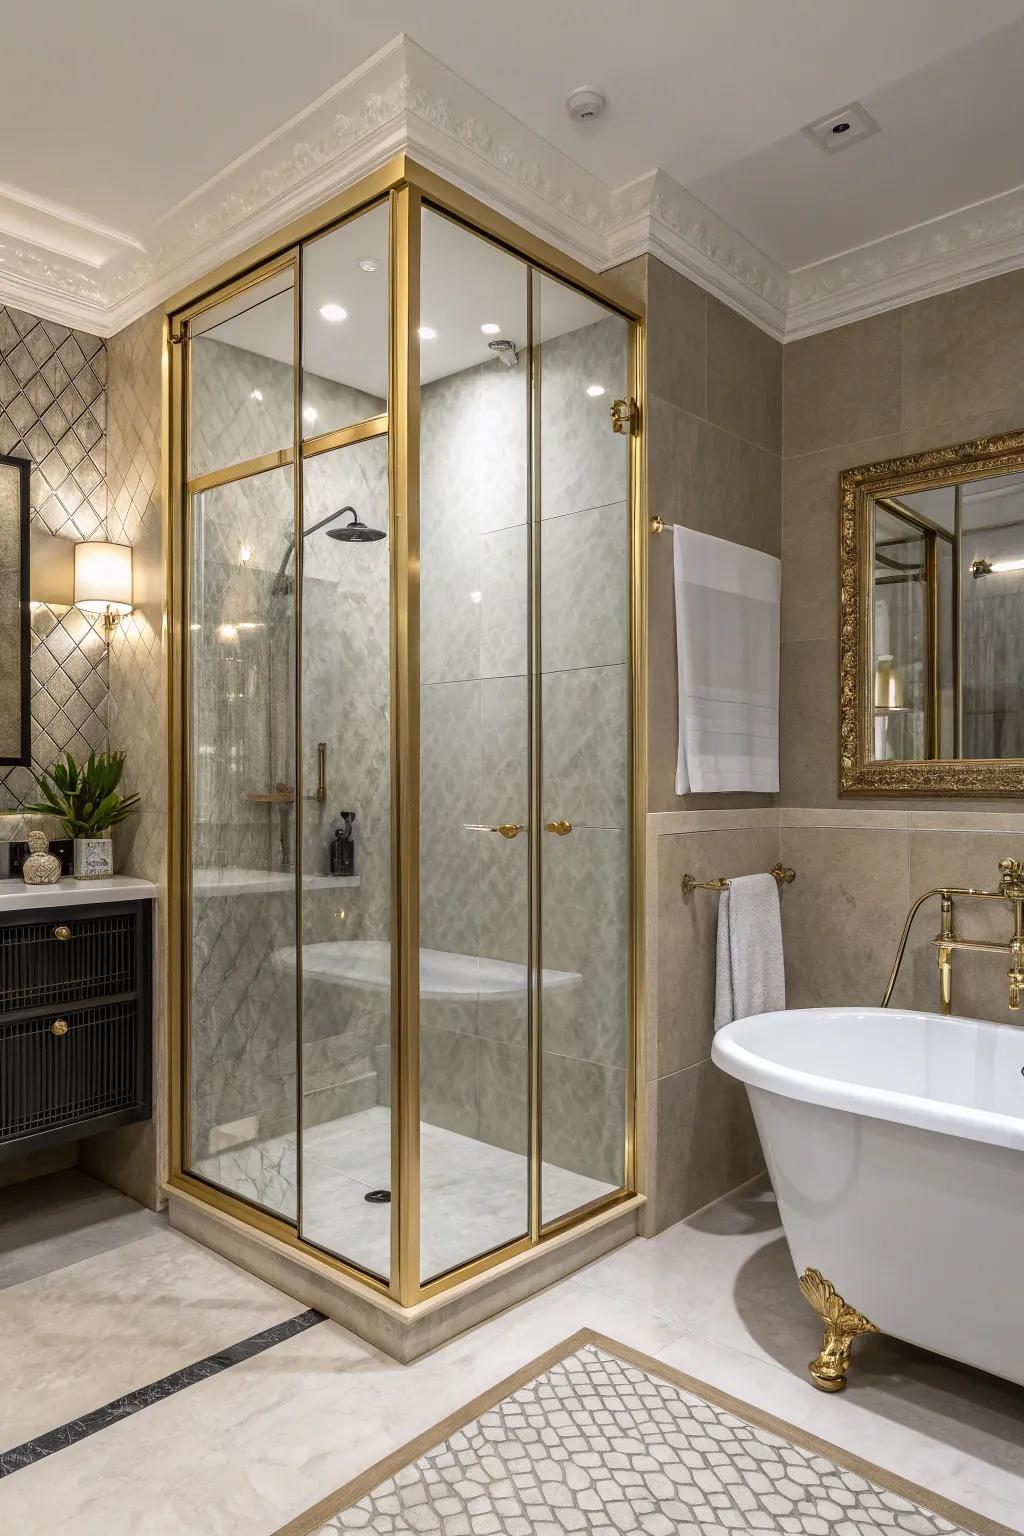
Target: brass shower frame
406	186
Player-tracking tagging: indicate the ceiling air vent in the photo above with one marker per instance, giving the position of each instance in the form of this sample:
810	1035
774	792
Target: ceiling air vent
841	129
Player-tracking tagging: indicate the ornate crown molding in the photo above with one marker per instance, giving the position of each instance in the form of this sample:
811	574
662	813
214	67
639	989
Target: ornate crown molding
404	99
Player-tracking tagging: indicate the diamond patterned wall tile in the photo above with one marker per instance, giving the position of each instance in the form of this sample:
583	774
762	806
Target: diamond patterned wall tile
53	412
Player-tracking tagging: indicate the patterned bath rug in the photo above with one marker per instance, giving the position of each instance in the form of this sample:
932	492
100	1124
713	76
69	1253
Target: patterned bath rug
594	1437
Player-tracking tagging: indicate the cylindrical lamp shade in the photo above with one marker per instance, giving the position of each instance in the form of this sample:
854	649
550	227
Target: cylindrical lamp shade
103	577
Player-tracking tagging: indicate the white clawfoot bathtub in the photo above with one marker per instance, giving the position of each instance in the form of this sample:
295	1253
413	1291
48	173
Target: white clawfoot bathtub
895	1144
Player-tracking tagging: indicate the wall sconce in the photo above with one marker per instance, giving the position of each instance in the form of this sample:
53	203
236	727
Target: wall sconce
985	567
103	581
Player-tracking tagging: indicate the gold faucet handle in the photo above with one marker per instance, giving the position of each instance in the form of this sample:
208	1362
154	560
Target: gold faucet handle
1012	882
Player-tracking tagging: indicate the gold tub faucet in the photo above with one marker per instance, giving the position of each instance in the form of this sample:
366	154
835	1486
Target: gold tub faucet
946	941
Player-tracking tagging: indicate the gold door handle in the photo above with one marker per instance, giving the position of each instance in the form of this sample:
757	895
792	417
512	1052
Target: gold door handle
506	829
559	828
59	1027
62	931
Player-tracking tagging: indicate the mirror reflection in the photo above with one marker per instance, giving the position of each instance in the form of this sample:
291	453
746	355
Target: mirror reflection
947	621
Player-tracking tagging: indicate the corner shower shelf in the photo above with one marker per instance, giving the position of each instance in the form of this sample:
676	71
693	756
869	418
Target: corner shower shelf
365	964
261	882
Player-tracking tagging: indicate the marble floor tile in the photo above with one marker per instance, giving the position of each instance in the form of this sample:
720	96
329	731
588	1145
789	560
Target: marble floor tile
48	1223
250	1448
75	1339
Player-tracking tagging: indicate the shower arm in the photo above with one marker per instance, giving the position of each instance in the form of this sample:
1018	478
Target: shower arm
330	518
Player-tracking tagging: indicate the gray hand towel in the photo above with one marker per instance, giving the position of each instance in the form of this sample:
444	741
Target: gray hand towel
750	976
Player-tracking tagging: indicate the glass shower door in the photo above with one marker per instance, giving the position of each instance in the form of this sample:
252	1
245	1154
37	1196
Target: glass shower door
241	1107
583	366
474	1002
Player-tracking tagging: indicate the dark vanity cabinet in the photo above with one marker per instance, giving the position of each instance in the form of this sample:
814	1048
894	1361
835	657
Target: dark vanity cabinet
76	1025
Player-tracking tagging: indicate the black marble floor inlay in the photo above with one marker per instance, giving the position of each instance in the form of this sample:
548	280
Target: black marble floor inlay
144	1397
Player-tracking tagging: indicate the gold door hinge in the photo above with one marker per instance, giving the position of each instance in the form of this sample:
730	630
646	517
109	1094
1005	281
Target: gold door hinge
625	414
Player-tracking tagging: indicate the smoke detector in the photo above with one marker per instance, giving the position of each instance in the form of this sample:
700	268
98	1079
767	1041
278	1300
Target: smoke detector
586	104
841	129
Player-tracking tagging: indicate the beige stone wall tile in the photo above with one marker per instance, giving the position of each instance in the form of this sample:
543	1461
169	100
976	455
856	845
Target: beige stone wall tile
744	368
842	916
842	386
706	1141
963	349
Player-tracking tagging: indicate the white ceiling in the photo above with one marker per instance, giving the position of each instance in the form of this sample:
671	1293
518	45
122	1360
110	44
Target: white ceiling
142	142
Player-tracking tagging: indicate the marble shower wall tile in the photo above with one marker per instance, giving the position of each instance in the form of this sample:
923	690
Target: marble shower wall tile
583	1118
583	463
585	716
585	589
585	932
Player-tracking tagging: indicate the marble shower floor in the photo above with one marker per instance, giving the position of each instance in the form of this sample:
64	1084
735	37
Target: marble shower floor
474	1195
247	1450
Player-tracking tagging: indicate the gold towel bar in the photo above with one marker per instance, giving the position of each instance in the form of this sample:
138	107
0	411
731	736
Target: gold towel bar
779	872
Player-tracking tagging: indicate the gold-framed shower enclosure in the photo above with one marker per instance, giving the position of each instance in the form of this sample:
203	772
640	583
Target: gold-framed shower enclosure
408	187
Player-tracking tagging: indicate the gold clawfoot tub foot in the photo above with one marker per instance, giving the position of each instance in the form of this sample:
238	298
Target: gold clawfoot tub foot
842	1325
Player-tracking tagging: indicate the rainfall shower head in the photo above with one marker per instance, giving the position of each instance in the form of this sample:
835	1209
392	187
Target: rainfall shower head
506	351
356	532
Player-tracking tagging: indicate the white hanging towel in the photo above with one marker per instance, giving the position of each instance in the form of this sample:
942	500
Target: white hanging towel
750	977
727	653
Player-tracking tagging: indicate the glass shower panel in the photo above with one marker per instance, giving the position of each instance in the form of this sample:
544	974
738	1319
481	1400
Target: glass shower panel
345	324
242	1105
346	857
583	365
241	376
474	747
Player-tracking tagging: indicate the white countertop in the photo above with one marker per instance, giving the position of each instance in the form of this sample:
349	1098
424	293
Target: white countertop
16	896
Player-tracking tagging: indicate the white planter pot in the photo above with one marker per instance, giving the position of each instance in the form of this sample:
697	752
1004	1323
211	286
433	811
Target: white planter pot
94	858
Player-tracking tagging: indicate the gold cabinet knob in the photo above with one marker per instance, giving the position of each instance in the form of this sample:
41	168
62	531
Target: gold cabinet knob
507	828
62	932
559	828
59	1027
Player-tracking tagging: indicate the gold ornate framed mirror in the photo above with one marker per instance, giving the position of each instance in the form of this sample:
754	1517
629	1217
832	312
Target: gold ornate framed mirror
932	622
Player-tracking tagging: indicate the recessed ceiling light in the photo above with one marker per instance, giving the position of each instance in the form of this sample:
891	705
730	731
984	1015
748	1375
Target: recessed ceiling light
475	597
367	264
257	395
427	333
490	329
309	414
593	390
841	129
245	554
333	313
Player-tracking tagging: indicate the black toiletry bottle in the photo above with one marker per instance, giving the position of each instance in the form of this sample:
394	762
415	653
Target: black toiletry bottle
343	846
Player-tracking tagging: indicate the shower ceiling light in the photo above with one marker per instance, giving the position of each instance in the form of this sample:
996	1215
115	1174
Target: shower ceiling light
594	390
245	554
475	597
367	264
309	414
333	313
427	333
256	395
489	328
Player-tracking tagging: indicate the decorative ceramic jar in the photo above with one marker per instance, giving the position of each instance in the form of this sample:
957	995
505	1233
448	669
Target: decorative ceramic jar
41	867
94	858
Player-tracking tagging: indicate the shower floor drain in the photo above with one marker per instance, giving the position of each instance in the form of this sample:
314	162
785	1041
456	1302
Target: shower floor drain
378	1197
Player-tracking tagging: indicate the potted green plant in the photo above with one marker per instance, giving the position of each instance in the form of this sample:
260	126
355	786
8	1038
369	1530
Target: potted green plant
86	800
